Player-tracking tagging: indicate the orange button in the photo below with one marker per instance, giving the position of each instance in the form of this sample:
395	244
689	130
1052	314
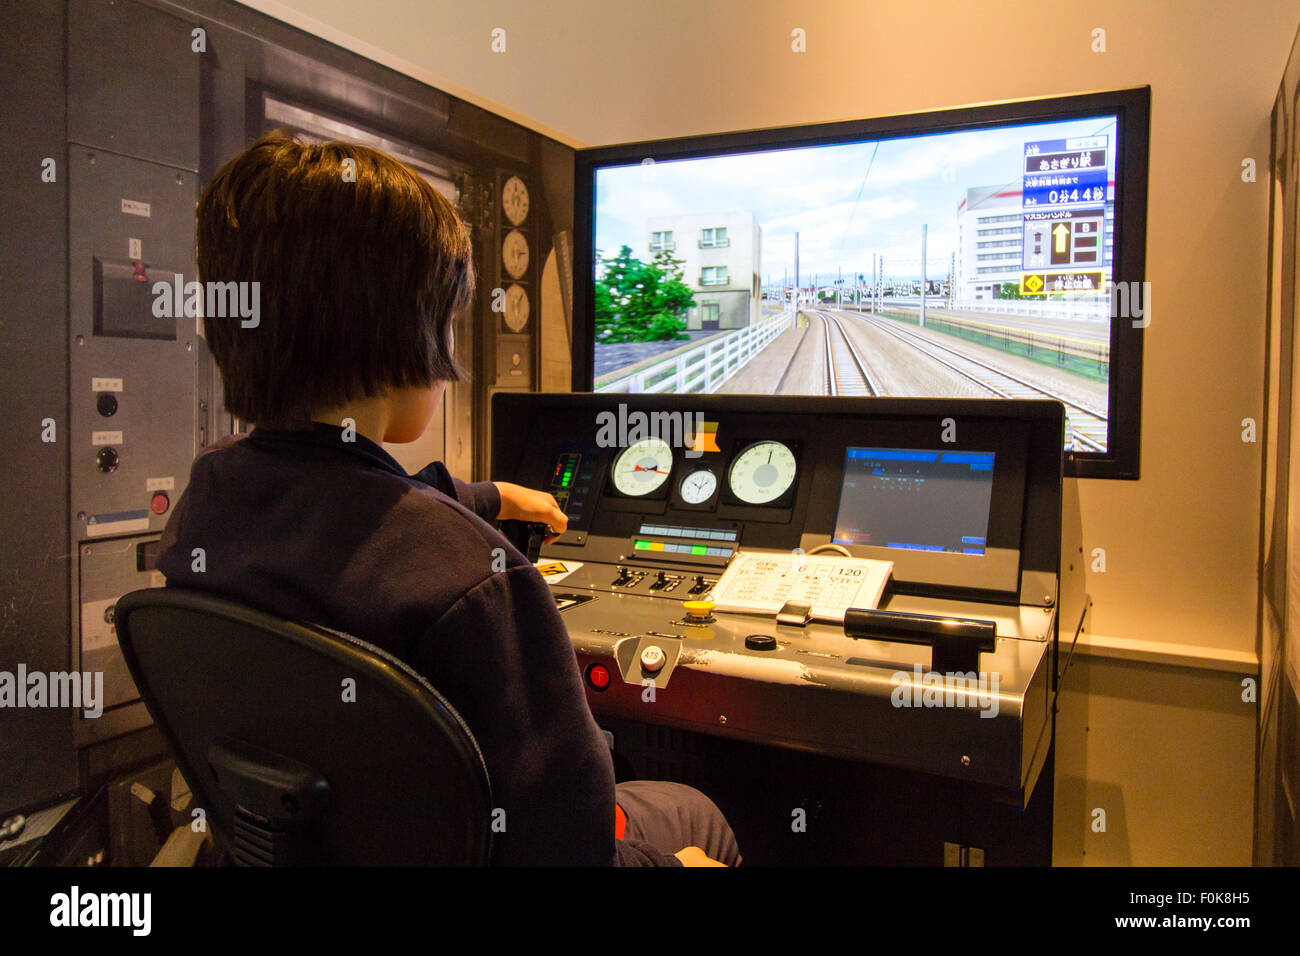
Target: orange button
160	503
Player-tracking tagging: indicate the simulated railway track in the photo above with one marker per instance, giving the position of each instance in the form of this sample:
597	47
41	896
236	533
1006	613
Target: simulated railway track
846	372
1085	427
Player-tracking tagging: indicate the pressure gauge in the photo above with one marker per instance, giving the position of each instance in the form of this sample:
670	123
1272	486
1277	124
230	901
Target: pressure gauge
762	473
517	309
698	487
514	253
514	200
642	468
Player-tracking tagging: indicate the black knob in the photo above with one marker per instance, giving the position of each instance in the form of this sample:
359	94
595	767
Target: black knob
662	578
106	403
106	460
761	642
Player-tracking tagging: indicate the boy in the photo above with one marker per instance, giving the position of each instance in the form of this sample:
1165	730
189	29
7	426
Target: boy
361	269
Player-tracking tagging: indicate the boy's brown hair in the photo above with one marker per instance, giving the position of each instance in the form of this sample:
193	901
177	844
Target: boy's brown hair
363	268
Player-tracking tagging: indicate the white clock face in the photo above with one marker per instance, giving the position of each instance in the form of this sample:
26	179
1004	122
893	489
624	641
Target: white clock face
514	252
642	468
699	486
762	473
514	200
517	308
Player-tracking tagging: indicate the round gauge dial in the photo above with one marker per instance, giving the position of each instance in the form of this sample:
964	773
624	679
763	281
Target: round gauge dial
762	472
699	486
514	200
642	468
516	314
514	253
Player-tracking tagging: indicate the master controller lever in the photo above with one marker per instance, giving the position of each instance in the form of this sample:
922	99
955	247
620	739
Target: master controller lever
526	536
957	642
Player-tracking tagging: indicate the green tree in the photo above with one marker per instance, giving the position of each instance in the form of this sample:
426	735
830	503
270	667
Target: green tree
641	301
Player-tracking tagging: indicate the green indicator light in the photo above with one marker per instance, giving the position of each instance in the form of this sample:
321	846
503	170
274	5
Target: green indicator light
699	549
642	545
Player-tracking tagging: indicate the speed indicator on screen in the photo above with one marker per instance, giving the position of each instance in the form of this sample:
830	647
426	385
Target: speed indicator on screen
762	473
642	468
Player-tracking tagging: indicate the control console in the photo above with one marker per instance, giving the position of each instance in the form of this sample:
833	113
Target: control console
951	671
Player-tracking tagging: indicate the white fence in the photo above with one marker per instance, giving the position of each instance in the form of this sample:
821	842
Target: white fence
1097	310
707	366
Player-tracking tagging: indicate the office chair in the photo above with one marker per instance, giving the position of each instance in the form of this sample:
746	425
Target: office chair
305	746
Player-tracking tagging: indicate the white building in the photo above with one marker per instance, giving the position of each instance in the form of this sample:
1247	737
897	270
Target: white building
990	240
721	255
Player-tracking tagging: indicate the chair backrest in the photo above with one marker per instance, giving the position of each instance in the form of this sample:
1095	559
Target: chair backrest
302	745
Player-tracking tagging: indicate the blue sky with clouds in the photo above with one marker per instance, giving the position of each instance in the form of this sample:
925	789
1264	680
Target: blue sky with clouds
846	201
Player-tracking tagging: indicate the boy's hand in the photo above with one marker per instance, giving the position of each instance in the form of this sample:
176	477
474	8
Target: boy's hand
524	504
694	856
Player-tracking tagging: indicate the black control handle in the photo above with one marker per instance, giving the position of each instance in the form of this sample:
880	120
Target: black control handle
956	641
526	536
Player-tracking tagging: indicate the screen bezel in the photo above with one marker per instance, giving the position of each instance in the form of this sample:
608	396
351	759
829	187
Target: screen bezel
999	568
1132	109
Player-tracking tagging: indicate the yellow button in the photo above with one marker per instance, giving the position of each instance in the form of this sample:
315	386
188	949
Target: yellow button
698	608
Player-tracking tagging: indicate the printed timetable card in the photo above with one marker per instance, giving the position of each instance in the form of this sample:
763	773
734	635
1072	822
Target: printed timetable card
763	583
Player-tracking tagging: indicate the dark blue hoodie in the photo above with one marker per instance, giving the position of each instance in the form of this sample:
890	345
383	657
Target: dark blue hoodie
307	526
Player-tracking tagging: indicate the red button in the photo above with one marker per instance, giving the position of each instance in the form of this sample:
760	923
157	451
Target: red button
160	503
598	676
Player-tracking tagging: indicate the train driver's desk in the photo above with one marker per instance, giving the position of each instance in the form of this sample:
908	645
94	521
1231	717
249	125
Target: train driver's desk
720	580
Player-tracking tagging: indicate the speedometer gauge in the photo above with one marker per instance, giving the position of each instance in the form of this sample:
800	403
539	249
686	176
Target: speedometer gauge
762	473
642	468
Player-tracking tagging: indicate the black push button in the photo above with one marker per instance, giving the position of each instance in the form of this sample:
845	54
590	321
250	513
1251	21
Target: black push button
761	642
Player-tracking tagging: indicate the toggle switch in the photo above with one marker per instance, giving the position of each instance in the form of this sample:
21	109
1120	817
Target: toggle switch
701	585
665	582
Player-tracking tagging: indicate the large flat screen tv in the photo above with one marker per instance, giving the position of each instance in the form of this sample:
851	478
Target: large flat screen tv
986	251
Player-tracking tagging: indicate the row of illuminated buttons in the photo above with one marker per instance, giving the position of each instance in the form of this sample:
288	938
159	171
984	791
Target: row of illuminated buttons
669	531
643	545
